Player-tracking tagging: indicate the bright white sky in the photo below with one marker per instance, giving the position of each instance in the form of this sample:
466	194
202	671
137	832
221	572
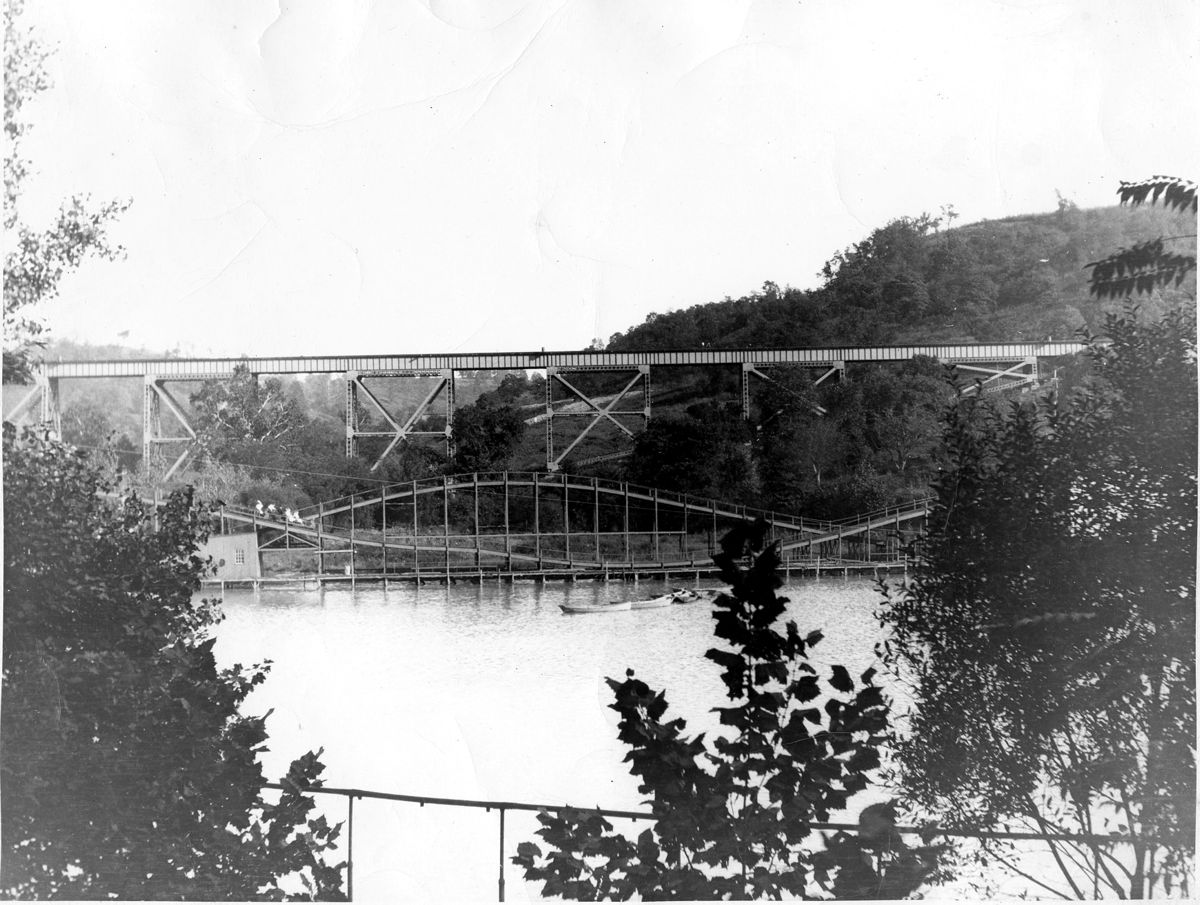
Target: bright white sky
312	177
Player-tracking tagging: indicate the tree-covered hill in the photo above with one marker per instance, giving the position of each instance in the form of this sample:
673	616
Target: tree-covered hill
913	280
909	281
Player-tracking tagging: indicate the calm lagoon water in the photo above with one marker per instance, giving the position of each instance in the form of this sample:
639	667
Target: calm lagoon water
484	692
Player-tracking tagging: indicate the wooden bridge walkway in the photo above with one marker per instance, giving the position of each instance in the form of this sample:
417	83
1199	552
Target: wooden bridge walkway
530	525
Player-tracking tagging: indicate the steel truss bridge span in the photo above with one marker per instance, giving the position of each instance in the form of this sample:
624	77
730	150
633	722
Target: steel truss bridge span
535	523
996	366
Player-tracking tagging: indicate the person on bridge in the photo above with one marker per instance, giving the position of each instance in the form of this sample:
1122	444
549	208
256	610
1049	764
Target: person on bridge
258	507
273	510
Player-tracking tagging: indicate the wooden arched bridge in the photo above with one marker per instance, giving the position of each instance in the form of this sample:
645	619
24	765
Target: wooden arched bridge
528	524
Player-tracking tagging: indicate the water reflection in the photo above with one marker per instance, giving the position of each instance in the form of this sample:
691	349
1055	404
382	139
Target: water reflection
484	691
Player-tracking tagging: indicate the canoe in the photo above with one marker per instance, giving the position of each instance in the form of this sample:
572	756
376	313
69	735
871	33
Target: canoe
613	607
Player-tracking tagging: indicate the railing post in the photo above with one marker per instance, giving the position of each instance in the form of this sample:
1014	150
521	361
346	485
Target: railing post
416	541
350	851
628	553
507	539
320	537
566	519
712	538
383	522
657	551
537	523
501	854
683	541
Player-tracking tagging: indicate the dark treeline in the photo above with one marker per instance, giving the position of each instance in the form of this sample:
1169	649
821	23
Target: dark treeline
827	451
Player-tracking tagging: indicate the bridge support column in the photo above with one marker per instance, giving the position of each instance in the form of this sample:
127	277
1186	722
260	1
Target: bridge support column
44	395
154	397
351	415
51	411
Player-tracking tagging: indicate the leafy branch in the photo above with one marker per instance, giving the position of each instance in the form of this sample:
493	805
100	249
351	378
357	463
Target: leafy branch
1146	266
735	813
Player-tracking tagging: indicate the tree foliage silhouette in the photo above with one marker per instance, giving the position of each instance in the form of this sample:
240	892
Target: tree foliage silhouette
127	769
734	813
38	259
1146	266
1050	627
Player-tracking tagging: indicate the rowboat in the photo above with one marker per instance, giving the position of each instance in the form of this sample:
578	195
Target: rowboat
611	607
653	602
676	595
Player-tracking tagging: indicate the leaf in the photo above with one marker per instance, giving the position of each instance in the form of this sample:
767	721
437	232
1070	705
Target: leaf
805	688
841	680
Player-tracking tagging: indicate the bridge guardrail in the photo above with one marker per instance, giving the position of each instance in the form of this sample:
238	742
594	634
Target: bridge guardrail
503	807
561	480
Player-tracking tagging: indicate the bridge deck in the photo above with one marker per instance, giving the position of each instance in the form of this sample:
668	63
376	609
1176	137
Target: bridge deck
380	365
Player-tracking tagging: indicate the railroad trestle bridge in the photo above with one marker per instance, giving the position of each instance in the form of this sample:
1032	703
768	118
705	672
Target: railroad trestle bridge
572	413
514	524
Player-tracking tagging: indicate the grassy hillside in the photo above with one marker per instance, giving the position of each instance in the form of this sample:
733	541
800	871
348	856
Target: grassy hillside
1000	280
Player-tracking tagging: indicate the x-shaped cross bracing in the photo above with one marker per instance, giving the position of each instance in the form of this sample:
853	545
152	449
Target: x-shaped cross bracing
398	432
1021	372
836	368
607	411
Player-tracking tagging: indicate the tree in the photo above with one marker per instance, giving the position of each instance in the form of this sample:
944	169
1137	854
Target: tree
243	408
795	456
514	386
127	770
1050	627
882	271
88	426
38	259
486	434
704	451
891	416
733	815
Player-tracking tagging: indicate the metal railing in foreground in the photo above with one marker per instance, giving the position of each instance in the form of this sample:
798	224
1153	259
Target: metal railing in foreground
504	806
